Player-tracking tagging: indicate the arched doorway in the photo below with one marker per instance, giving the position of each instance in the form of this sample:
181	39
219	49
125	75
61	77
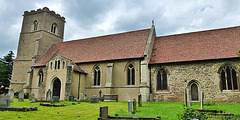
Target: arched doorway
57	88
194	92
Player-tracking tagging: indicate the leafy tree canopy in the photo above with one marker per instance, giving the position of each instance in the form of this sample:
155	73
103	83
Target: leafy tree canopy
6	64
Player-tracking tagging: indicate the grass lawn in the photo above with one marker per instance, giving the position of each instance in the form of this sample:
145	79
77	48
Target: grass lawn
90	111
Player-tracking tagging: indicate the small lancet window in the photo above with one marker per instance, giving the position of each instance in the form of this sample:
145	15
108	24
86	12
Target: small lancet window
35	26
131	75
54	28
229	79
55	65
51	66
63	66
40	75
58	64
162	80
97	76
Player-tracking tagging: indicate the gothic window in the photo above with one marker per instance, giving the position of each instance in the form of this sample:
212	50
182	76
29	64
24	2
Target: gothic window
130	75
229	79
97	76
35	26
63	65
40	75
55	65
54	28
58	64
51	65
162	80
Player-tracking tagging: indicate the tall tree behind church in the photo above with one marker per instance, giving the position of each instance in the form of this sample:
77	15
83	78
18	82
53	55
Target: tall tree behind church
6	64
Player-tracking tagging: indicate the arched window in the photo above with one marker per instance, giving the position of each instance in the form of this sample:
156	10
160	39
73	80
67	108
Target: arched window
35	26
63	65
55	65
51	65
40	75
130	75
58	64
97	76
229	79
162	80
54	28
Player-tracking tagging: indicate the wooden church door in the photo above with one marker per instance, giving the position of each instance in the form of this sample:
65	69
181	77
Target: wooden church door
57	88
194	92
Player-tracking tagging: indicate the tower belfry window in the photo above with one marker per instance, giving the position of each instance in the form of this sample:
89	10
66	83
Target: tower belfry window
35	26
54	28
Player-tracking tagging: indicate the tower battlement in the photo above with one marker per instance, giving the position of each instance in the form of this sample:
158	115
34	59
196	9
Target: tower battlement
45	9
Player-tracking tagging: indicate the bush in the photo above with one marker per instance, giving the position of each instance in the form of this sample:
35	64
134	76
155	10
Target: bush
209	103
190	113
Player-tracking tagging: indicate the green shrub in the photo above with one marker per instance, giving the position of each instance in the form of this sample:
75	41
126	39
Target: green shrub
190	113
210	103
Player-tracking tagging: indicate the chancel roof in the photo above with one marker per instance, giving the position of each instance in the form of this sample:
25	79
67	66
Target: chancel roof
110	47
204	45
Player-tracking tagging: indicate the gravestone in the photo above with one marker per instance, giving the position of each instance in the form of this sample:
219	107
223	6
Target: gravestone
71	98
55	99
130	106
11	95
134	106
151	98
49	94
104	112
139	100
94	99
4	102
21	96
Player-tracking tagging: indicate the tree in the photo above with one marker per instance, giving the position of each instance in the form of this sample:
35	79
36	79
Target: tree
6	64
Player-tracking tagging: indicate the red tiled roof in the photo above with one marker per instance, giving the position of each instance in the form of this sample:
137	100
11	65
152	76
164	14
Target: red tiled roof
110	47
204	45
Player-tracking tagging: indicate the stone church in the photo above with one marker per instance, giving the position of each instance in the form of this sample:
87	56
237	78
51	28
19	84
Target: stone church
126	64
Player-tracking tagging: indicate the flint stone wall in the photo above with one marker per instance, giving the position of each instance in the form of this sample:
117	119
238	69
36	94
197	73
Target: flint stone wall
206	72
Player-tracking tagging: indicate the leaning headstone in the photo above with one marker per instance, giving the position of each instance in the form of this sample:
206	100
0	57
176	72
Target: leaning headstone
104	113
130	106
49	94
55	99
139	100
21	96
134	106
4	102
11	95
94	99
202	96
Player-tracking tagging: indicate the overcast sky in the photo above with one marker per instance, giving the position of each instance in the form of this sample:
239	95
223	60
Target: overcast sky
88	18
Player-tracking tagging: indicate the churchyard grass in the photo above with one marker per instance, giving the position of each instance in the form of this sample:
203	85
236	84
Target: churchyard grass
90	111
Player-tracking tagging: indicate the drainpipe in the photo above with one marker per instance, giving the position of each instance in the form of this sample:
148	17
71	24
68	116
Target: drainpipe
79	85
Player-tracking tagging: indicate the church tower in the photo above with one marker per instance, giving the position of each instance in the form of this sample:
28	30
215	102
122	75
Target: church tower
40	29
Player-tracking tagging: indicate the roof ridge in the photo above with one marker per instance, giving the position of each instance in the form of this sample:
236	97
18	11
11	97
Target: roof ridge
201	31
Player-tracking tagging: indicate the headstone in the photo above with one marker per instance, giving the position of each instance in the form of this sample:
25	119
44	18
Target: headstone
185	97
94	99
21	96
139	100
31	96
55	99
11	95
151	98
71	98
100	93
134	106
202	96
104	112
4	102
130	106
49	94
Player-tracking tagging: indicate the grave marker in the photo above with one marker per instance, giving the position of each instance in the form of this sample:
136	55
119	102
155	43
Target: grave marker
49	94
130	106
55	99
11	95
104	112
134	106
139	100
94	99
21	96
4	102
